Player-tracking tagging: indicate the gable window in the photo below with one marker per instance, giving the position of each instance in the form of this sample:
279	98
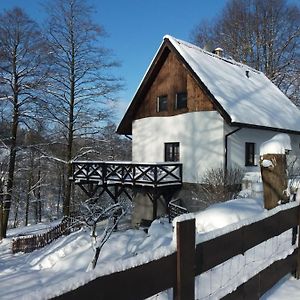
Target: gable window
162	103
172	152
249	154
181	100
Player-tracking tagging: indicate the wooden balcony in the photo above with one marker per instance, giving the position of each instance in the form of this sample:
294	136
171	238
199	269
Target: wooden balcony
127	173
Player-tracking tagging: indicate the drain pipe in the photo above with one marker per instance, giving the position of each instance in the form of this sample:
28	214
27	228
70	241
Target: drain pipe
226	147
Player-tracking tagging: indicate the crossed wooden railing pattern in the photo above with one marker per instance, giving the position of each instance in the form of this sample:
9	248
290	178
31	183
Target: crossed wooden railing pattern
127	173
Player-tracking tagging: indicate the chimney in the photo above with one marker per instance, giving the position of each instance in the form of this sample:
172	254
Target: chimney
218	51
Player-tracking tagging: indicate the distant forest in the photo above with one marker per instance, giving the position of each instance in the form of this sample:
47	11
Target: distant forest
58	103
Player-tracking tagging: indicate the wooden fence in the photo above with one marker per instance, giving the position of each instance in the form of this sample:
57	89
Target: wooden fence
30	243
176	209
179	269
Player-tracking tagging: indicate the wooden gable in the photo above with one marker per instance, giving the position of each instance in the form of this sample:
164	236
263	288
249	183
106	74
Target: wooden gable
167	75
172	78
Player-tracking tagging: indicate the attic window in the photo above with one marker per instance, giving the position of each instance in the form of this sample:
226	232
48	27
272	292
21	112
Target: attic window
162	103
181	100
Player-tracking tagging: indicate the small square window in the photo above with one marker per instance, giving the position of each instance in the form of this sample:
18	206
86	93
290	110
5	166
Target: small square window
249	154
172	152
181	100
162	103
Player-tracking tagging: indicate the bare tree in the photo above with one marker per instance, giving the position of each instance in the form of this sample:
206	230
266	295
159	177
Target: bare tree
81	91
93	213
22	57
262	34
106	145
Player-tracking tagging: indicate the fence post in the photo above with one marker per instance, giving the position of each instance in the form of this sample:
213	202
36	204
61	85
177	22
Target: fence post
185	277
274	179
297	273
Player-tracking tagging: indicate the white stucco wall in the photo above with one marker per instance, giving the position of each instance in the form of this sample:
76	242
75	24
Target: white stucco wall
236	146
200	134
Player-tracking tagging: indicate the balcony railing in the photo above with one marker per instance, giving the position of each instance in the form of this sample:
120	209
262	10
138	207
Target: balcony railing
127	173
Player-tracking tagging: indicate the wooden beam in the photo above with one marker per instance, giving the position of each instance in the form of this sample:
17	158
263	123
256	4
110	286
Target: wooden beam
185	283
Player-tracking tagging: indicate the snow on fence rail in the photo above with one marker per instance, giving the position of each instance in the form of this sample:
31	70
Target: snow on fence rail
30	243
128	173
178	270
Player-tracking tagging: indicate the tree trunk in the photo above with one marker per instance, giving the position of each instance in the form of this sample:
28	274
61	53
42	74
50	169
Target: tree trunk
27	201
29	187
61	184
67	200
13	149
17	204
11	171
38	198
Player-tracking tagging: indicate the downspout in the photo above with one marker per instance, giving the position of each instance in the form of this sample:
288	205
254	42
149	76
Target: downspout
226	147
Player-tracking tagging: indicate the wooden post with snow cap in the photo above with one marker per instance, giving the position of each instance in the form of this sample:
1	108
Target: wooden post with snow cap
274	170
185	271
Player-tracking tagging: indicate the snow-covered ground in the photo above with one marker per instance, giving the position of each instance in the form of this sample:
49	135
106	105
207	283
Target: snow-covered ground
62	265
287	288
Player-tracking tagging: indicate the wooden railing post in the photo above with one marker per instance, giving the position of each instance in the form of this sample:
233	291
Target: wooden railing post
104	173
155	174
180	172
185	277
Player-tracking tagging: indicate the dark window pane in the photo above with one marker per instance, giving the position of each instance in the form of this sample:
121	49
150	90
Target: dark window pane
181	100
249	154
162	103
172	152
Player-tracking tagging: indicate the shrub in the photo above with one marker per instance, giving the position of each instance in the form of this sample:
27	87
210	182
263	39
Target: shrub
218	186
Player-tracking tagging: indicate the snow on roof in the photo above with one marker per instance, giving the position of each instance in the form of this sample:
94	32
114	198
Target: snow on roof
245	94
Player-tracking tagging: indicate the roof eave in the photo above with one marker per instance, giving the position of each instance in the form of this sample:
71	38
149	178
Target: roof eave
260	127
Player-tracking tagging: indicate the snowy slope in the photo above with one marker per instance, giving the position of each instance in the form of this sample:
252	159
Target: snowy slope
61	266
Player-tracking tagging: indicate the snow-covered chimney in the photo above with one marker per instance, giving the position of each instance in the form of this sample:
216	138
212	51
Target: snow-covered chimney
218	51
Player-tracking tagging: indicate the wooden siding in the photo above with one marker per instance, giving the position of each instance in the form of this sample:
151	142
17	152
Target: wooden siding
173	78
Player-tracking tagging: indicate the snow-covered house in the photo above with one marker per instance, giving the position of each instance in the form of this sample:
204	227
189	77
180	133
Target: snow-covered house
205	111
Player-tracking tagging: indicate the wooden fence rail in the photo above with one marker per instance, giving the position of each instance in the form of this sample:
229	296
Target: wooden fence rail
30	243
173	271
